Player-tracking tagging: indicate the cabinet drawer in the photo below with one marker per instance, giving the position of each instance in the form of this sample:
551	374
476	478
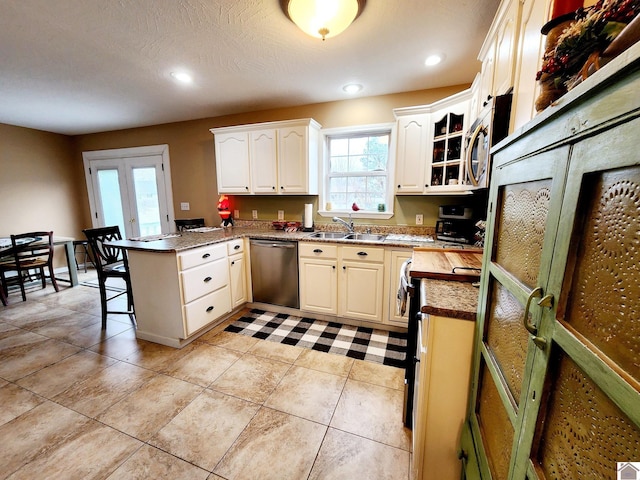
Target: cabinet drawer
206	278
235	246
363	254
207	309
202	255
317	250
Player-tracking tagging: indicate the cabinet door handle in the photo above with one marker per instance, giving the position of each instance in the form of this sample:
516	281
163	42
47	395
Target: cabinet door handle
233	263
531	328
209	308
207	279
344	268
246	188
317	250
399	187
333	266
273	188
206	255
281	188
236	247
363	254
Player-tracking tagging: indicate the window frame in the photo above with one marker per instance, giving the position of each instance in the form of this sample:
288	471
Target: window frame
357	130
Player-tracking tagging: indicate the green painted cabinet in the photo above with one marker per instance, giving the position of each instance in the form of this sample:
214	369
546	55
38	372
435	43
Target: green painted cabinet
555	392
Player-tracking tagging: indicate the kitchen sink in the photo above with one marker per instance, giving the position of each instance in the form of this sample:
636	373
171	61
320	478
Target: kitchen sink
333	235
366	237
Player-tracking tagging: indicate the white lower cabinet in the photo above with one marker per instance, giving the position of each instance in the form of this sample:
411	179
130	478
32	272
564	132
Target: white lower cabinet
342	280
237	273
178	294
395	259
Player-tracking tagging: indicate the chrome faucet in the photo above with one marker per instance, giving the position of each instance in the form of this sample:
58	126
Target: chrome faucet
349	224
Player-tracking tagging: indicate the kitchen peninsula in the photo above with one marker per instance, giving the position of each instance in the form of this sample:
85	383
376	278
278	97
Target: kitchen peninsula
185	284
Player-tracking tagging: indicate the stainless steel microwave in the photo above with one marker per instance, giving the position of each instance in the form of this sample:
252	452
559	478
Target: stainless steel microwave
491	126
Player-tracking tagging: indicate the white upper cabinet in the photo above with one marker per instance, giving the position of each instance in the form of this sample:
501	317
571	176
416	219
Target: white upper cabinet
274	158
430	146
232	162
264	160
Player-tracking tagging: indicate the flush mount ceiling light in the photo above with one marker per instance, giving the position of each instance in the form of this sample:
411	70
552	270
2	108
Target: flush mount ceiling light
322	18
352	88
433	60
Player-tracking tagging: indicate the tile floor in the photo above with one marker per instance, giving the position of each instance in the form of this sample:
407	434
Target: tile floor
79	402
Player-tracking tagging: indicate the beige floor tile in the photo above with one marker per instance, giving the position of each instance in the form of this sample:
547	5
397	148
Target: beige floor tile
35	432
251	378
15	401
308	394
325	362
93	451
61	326
155	356
151	463
101	390
232	341
383	375
373	412
203	364
119	346
7	330
85	333
276	351
22	314
273	446
201	437
56	378
25	353
146	410
344	455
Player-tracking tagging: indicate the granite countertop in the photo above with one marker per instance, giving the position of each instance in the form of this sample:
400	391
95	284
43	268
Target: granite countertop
447	298
178	242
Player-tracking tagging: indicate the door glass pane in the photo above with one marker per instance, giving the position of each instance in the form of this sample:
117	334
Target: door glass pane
147	205
110	198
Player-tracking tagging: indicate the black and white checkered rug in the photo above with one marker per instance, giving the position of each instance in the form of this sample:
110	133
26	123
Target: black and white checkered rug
388	348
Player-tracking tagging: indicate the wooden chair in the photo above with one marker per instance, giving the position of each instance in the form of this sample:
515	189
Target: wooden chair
187	223
31	251
110	262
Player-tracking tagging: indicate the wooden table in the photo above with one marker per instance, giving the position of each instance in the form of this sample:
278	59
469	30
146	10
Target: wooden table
67	242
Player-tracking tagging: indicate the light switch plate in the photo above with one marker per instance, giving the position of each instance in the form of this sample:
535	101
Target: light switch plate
419	219
280	214
254	214
184	206
236	213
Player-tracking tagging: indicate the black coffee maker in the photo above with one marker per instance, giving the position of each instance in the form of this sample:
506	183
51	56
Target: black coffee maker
455	224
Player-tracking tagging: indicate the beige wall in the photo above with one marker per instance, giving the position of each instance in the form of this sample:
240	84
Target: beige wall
193	162
42	176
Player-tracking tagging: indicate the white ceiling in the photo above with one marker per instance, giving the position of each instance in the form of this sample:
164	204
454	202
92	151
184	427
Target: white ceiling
83	66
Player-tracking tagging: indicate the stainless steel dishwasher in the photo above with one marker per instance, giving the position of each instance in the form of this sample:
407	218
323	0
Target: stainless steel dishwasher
274	272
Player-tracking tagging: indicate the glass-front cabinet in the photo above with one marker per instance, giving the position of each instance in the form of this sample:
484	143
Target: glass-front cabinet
446	157
555	392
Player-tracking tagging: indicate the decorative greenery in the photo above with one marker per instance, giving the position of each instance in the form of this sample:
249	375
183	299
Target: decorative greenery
594	29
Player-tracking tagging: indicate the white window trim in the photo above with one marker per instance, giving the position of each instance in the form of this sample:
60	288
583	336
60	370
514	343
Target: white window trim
324	169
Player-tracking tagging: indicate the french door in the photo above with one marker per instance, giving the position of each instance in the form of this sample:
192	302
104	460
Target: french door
130	188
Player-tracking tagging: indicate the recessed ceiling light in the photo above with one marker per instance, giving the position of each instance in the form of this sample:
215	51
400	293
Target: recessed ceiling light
433	60
182	77
352	88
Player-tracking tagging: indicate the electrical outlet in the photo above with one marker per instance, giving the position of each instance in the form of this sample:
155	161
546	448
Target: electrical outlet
419	219
254	214
184	206
280	214
236	213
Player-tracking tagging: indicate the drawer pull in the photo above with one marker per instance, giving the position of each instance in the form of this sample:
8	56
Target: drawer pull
363	254
317	250
206	255
207	279
209	309
236	247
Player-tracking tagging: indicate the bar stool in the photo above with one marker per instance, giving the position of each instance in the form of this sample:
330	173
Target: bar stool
84	251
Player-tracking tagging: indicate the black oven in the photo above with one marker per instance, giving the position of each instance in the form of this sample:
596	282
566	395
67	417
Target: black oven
491	126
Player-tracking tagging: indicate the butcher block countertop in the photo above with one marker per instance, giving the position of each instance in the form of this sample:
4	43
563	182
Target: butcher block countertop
446	289
447	264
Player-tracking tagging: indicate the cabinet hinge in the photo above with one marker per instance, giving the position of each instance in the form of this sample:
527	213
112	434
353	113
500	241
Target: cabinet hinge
90	171
162	164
